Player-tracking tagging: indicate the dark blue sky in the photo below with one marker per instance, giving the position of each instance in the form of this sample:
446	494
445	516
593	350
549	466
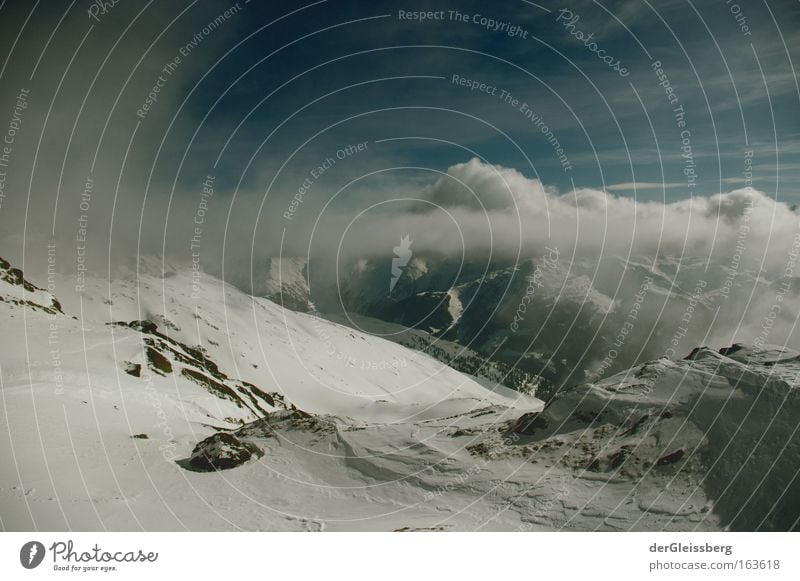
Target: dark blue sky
267	91
737	88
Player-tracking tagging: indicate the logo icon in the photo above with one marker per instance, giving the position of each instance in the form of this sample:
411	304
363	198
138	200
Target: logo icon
31	554
402	254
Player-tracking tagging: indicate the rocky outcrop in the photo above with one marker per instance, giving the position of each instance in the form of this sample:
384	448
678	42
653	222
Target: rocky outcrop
163	353
22	292
222	451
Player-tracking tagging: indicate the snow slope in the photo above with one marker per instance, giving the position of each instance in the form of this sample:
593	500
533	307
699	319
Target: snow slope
553	316
315	426
100	401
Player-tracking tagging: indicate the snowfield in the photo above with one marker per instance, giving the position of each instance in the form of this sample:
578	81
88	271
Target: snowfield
160	402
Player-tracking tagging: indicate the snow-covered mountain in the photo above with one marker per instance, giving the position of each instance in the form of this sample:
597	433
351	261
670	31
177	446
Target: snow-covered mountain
140	369
286	283
167	401
553	317
20	292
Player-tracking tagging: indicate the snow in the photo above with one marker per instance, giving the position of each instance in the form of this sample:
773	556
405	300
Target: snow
454	306
389	438
285	272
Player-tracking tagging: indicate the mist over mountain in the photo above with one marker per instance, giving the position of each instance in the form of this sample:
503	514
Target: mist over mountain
569	286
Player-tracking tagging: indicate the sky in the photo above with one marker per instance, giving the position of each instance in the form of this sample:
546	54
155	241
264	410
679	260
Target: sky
254	126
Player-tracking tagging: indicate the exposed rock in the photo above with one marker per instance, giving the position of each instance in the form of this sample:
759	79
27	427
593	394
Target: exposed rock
39	299
158	362
293	419
728	351
670	458
162	352
144	326
527	424
134	369
435	529
217	388
697	351
611	462
222	451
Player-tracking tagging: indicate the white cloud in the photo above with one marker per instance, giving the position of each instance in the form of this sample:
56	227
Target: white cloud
500	209
633	186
